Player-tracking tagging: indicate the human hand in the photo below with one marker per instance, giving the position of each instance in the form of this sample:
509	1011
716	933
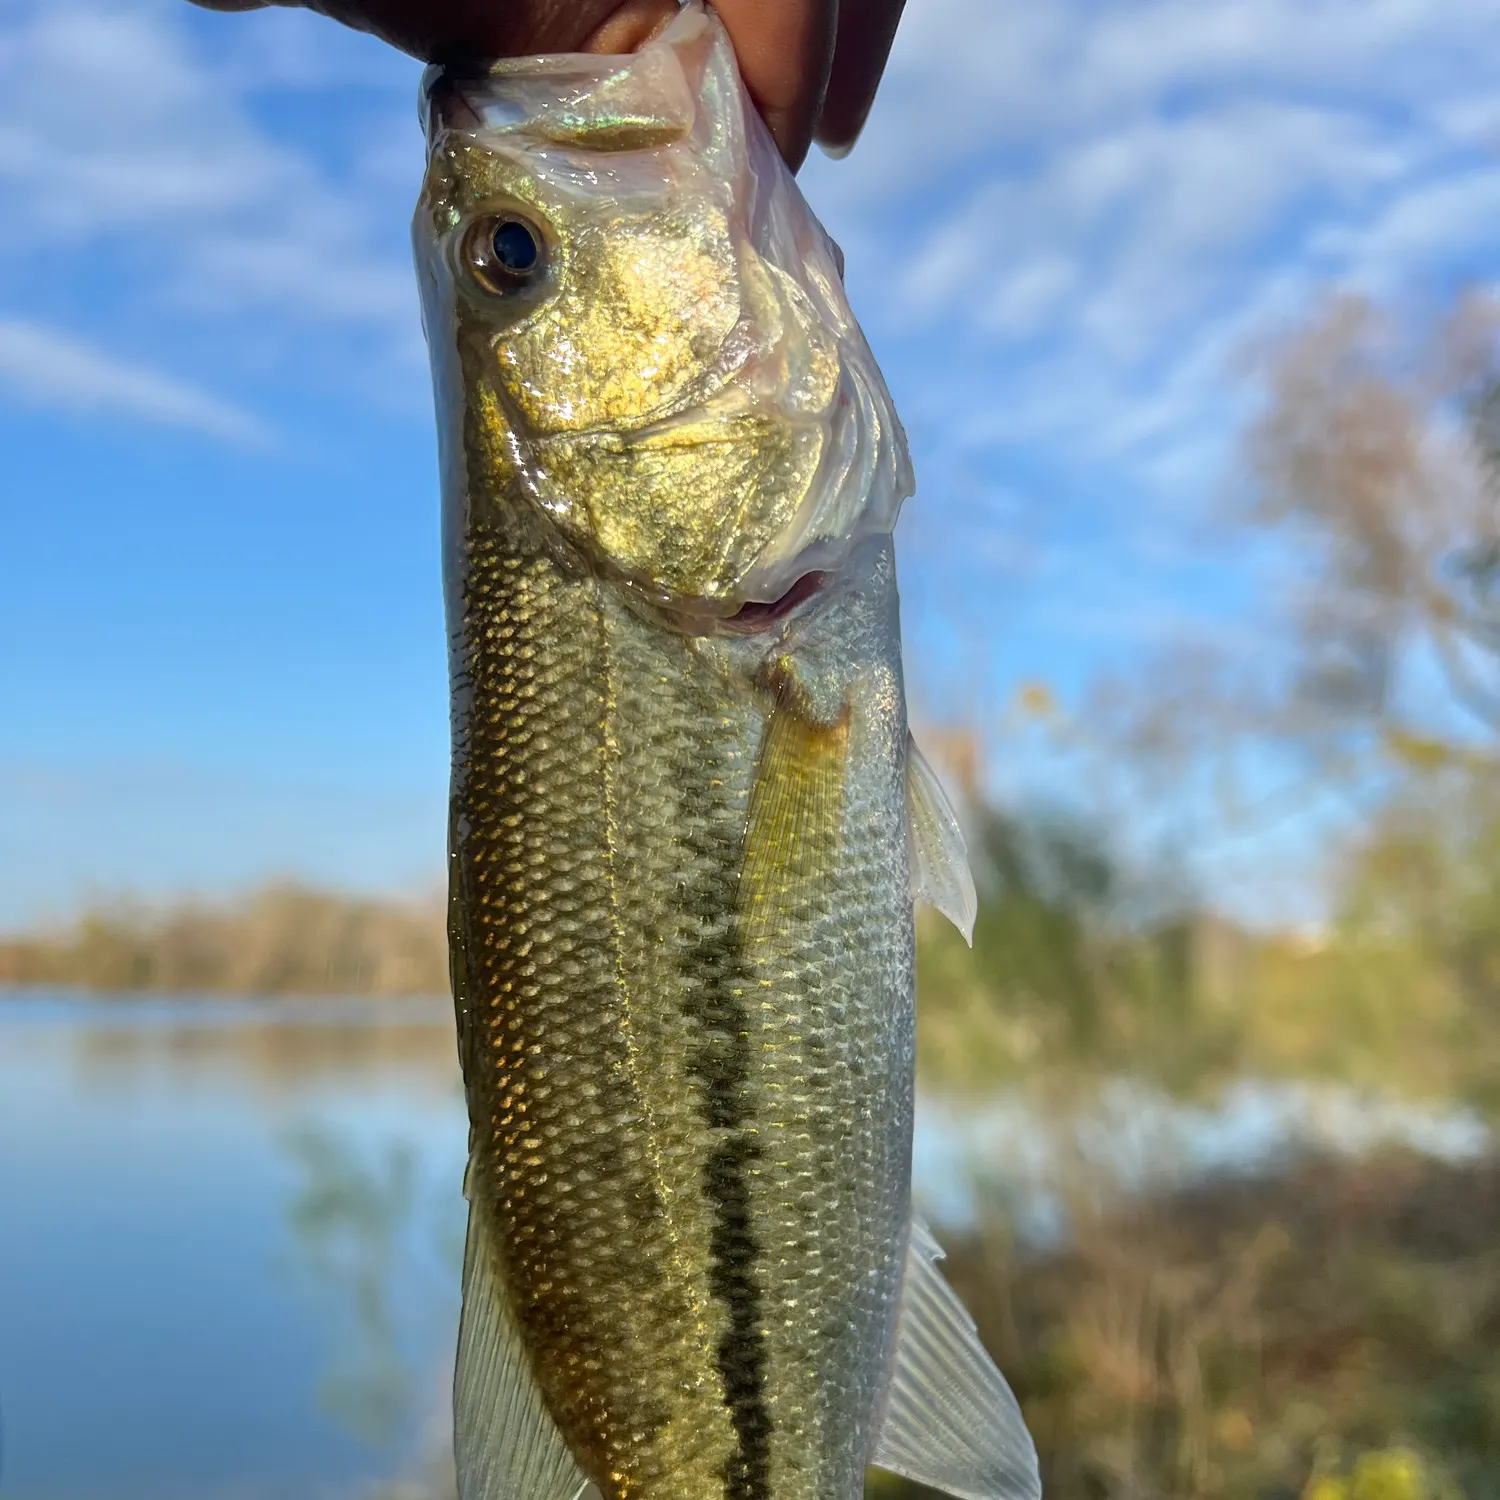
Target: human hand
812	66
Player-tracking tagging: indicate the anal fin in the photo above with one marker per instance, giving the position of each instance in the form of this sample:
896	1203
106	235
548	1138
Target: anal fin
950	1419
506	1445
938	857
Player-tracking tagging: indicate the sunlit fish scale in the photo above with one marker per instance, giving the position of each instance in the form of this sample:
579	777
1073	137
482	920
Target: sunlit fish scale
687	823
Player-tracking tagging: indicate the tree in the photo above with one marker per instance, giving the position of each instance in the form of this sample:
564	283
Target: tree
1377	457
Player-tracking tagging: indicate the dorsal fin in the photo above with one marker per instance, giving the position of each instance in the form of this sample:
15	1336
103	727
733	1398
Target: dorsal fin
950	1420
505	1444
935	846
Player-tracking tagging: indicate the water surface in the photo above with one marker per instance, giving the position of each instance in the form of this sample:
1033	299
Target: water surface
229	1240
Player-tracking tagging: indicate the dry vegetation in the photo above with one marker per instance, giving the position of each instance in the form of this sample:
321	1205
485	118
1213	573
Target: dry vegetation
1330	1330
1277	1336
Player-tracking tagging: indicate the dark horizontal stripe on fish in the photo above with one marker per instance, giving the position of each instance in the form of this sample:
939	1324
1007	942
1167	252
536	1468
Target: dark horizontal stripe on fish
742	1356
719	980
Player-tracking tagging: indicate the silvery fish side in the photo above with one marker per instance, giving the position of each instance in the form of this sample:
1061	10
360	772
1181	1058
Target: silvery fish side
686	822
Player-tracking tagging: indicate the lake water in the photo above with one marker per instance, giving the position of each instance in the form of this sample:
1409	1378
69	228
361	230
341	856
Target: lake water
230	1233
229	1247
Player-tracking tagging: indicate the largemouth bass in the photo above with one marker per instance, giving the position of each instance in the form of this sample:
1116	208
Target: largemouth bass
687	820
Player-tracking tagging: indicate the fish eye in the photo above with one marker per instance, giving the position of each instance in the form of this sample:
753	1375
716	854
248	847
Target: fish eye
515	247
505	253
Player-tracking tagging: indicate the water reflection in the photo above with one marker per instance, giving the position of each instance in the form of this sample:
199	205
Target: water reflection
227	1251
346	1221
281	1049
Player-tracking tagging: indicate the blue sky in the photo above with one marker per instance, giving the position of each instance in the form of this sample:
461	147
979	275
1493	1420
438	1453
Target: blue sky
221	650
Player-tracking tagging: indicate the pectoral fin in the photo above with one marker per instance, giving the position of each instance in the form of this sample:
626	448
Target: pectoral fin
505	1443
939	860
950	1419
796	819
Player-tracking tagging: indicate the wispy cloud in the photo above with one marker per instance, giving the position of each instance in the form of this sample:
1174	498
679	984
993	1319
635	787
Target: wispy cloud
41	366
1087	199
146	186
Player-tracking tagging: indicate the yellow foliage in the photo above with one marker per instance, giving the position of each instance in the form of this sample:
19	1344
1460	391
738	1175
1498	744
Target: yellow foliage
1386	1474
1035	700
1396	1474
1418	752
1234	1429
1325	1487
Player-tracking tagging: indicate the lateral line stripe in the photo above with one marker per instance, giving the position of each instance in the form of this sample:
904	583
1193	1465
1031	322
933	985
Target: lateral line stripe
719	981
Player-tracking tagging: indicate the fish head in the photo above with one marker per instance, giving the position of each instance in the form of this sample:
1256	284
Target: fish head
645	326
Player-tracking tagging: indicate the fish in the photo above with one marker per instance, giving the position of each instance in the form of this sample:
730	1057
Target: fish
687	823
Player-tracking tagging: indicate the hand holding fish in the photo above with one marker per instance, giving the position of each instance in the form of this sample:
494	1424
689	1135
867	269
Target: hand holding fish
812	66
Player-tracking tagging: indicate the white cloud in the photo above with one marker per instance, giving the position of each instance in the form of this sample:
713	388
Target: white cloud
1421	230
1023	71
1060	222
143	187
107	125
1094	201
43	367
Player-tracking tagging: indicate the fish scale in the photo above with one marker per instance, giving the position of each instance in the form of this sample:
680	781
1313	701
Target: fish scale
554	1120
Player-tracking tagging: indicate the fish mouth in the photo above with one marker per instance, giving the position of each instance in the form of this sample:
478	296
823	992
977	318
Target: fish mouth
754	616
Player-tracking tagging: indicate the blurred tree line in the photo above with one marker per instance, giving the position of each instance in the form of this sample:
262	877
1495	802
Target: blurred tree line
284	939
1367	679
1083	969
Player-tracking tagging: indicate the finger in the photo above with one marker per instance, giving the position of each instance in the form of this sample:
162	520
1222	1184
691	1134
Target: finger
785	49
469	30
463	31
866	30
632	24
